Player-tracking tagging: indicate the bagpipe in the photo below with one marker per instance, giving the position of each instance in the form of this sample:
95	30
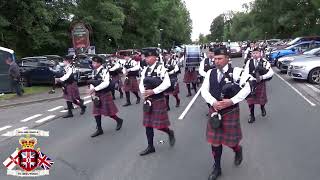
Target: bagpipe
229	90
261	70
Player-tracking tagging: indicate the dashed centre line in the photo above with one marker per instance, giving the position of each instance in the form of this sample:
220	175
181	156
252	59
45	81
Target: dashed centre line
45	119
5	127
31	117
56	108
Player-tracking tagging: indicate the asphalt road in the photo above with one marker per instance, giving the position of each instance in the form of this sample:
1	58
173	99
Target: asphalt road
281	146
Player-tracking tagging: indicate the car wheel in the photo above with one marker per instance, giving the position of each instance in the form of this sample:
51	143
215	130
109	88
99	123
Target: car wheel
314	76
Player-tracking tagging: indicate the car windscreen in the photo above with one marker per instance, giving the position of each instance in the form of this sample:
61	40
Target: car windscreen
293	41
83	63
312	51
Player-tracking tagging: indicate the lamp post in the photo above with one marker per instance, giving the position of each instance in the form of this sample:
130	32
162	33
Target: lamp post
160	38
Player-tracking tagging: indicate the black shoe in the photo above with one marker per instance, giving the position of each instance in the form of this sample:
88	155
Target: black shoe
178	103
138	100
127	104
119	124
83	110
121	95
263	112
69	115
238	157
97	133
172	139
252	119
215	174
147	151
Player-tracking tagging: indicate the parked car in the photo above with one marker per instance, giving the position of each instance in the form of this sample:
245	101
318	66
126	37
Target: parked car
306	68
292	50
235	50
36	70
284	62
83	68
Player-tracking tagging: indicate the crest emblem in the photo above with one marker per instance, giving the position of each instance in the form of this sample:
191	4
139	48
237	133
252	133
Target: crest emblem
28	159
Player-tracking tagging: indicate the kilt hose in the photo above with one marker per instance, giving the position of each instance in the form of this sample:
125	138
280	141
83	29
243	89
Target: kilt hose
107	108
229	133
260	95
158	117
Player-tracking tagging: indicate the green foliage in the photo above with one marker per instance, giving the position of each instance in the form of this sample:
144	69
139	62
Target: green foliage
38	27
271	19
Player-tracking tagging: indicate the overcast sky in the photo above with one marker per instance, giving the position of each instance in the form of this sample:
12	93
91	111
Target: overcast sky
202	12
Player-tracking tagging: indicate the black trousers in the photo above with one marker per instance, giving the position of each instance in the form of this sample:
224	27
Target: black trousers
16	86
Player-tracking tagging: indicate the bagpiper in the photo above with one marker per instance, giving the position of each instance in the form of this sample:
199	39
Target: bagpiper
131	70
70	88
115	71
223	88
207	63
171	64
190	77
100	90
261	71
248	52
154	81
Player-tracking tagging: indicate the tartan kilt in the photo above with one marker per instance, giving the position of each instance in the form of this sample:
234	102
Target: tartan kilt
261	95
131	84
118	80
158	118
229	133
190	77
108	108
72	92
175	92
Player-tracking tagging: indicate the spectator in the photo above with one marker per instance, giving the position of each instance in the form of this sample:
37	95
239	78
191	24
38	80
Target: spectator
14	74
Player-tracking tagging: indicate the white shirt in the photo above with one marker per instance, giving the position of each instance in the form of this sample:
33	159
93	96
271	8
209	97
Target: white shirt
266	64
134	64
105	79
162	73
201	67
174	63
246	52
115	66
242	94
69	70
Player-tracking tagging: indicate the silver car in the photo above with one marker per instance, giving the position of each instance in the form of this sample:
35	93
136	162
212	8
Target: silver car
306	68
284	62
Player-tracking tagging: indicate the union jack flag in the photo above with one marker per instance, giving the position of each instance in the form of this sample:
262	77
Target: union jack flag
44	161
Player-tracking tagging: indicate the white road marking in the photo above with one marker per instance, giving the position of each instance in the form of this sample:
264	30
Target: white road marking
87	97
86	102
63	111
56	108
189	105
5	127
8	133
45	119
296	90
31	117
313	88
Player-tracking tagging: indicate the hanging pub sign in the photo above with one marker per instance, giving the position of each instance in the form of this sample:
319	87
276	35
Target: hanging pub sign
80	37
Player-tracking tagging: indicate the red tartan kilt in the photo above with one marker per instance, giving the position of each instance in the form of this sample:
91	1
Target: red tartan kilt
190	77
131	84
118	80
229	133
175	92
108	108
261	95
158	118
72	92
